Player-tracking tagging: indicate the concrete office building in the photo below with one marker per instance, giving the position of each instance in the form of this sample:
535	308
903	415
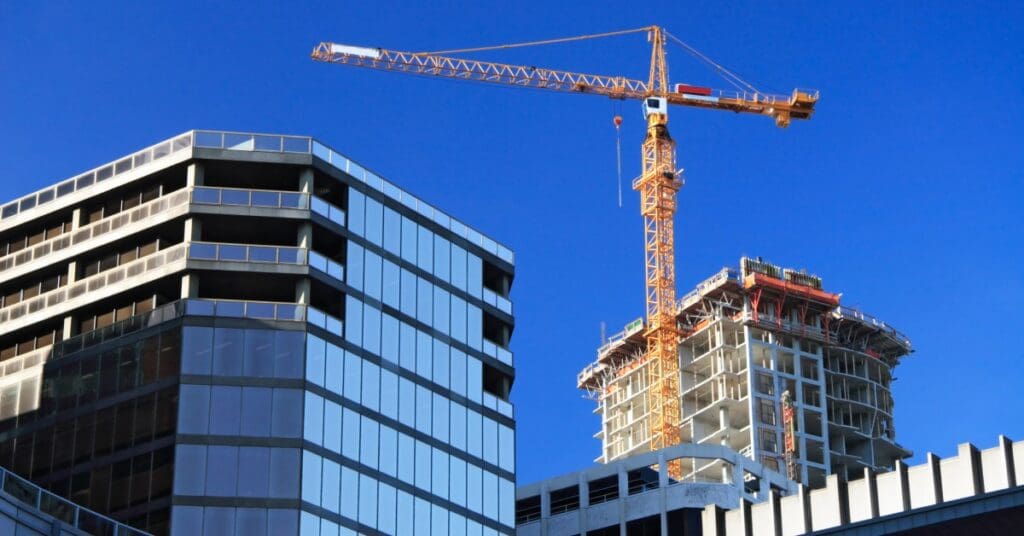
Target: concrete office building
231	333
747	336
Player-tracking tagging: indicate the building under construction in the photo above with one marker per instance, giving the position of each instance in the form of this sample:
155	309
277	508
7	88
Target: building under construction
772	366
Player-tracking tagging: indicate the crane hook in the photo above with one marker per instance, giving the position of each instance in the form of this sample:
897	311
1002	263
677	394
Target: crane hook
617	120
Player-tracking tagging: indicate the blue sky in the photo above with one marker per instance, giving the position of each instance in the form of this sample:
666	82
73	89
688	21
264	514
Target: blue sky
903	192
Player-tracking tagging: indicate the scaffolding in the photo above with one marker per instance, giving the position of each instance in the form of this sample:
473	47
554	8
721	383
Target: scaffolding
746	336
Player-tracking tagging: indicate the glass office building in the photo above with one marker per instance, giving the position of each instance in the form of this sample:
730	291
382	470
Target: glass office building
232	333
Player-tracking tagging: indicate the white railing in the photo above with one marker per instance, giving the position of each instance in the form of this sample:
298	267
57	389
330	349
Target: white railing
501	303
213	251
327	266
96	229
98	175
244	197
90	284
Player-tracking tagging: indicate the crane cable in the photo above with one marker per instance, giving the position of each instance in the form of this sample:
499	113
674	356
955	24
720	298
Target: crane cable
618	152
726	74
534	43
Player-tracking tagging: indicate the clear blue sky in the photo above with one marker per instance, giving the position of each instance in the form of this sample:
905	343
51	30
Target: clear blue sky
904	192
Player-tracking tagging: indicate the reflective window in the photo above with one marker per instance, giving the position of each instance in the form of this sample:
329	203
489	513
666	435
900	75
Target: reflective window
353	321
458	372
374	273
392	278
439	520
221	470
439	473
218	520
335	369
476	276
408	290
406	458
490	495
475	378
331	486
458	425
507	502
392	231
257	404
407	346
425	250
259	346
228	349
349	493
371	386
367	501
313	427
407	402
441	310
332	426
253	481
422	465
389	338
354	266
423	398
374	221
389	394
388	463
353	376
424	354
369	447
422	517
251	521
356	211
190	470
194	409
458	319
506	448
350	434
371	329
474	488
386	503
474	433
196	350
442	362
440	418
458	267
475	327
408	240
286	417
405	514
288	358
316	352
442	258
225	410
490	441
311	472
457	481
424	301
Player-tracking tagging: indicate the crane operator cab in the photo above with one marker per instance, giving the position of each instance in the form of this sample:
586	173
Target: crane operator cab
655	105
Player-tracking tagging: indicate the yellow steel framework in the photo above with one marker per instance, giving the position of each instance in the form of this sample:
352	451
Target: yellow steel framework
658	184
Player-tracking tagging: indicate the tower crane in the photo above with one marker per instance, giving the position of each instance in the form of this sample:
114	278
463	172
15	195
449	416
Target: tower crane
658	183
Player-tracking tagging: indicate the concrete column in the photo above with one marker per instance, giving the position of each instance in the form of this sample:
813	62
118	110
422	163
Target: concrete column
76	218
72	271
195	175
305	238
623	493
190	285
545	508
193	230
662	497
302	291
583	488
712	520
306	181
68	329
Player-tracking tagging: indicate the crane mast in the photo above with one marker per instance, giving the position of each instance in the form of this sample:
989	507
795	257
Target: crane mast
658	184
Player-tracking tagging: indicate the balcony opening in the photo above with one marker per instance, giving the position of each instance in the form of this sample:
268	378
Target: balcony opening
496	330
565	500
604	489
255	231
251	175
496	382
496	280
527	510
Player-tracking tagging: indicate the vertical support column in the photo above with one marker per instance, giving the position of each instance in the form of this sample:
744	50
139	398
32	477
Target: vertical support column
69	330
663	474
195	175
621	503
545	508
583	488
305	238
1006	446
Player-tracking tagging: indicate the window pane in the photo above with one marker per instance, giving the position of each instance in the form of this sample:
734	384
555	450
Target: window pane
440	418
490	441
225	410
458	267
442	258
425	251
389	338
196	350
407	347
476	275
389	394
457	481
490	495
408	305
408	240
440	374
458	425
284	473
316	354
367	501
374	221
332	426
353	320
221	471
354	266
335	369
386	503
423	409
356	211
390	291
422	465
373	274
439	473
392	231
388	451
474	433
228	348
475	378
458	372
369	446
350	434
406	458
506	448
424	300
313	427
353	376
194	409
371	329
256	406
349	493
441	310
475	327
190	470
286	418
407	402
474	488
331	486
458	319
259	347
252	480
424	355
311	473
